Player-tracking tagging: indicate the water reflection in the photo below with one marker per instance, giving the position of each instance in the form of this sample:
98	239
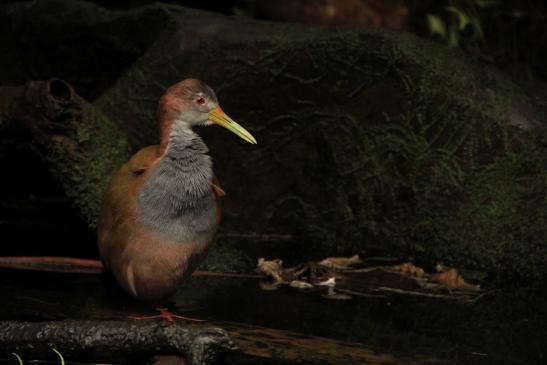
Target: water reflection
505	326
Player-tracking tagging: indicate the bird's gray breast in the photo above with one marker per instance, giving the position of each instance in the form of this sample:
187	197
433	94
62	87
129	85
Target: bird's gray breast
177	203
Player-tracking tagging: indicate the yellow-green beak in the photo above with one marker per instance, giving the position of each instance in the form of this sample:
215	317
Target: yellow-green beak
218	116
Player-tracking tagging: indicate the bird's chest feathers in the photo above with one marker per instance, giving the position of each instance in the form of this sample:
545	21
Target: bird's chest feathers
176	202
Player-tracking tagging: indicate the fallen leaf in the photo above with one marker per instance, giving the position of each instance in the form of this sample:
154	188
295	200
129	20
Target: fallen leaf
409	268
450	279
271	268
341	262
300	284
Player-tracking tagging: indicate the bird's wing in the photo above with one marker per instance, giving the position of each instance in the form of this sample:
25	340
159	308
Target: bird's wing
142	160
217	189
119	203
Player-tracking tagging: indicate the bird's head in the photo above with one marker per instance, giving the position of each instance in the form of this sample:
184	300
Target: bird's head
192	102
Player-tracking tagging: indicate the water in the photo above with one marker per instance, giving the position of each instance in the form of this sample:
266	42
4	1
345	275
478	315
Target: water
500	327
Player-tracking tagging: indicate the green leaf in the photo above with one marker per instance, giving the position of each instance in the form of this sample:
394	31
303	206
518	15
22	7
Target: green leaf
463	17
19	360
59	354
436	25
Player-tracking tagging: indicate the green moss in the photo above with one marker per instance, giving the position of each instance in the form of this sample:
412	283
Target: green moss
446	182
367	138
85	165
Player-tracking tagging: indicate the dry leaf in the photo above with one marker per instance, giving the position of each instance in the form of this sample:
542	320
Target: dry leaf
272	268
450	279
300	284
341	262
409	268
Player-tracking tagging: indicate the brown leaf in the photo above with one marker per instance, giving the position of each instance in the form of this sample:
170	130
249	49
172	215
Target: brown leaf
449	278
409	269
271	268
340	262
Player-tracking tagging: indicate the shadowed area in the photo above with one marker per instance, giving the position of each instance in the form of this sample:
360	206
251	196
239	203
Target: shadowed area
499	327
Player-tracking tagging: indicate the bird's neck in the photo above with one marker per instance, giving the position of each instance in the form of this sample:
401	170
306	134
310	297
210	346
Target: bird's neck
185	167
179	185
186	152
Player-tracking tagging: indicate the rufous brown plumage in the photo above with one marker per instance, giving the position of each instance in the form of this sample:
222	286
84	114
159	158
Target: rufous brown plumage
161	210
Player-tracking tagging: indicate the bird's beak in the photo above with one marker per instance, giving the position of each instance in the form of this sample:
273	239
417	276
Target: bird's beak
218	116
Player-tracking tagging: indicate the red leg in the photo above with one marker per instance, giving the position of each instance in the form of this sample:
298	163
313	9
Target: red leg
167	315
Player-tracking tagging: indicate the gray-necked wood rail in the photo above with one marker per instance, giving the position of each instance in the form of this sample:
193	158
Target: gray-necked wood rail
161	209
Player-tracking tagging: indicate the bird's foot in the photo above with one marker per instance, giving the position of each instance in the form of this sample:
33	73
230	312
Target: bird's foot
169	316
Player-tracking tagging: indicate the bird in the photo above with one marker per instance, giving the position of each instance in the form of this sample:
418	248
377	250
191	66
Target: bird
161	210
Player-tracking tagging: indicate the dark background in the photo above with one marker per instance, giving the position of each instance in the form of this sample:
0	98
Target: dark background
509	35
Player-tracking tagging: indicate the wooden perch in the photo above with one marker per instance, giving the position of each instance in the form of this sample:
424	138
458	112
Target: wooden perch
113	340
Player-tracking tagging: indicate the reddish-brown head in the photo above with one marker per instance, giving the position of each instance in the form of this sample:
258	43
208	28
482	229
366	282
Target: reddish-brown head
187	101
192	102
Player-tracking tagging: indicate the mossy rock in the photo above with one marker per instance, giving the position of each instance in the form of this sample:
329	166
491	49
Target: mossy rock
367	139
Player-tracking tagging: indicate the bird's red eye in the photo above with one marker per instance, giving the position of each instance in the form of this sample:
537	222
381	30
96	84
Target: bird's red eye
200	100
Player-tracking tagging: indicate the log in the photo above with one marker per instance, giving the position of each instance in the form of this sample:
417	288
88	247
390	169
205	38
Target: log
368	139
134	342
122	341
82	147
